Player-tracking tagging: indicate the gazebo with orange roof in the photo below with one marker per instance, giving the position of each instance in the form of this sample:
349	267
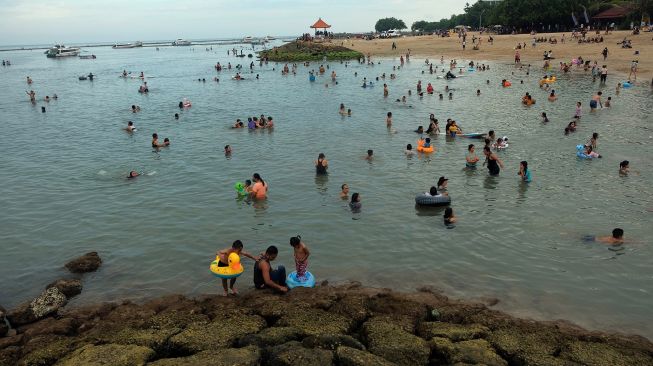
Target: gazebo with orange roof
320	24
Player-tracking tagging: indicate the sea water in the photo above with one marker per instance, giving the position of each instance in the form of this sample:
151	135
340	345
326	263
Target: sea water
63	189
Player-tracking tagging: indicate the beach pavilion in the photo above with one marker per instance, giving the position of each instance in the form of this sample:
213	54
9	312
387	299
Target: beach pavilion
320	24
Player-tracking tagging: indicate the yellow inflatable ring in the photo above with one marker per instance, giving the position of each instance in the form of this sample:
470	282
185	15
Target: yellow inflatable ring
234	269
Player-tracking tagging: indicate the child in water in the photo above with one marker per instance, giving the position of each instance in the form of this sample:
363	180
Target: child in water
624	168
449	217
301	256
223	255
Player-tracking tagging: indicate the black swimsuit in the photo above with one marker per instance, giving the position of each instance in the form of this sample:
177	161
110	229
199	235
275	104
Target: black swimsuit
320	169
493	167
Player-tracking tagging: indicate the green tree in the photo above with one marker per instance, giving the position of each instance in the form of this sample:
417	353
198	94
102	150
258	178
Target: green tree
386	24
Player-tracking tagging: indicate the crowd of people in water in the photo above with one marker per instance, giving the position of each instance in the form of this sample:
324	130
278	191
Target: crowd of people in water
491	145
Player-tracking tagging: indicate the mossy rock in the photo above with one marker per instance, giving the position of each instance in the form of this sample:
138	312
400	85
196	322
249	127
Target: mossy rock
9	355
476	351
316	321
271	337
348	356
175	319
394	344
221	333
516	342
332	342
293	354
155	339
48	353
247	356
602	354
109	355
352	306
455	332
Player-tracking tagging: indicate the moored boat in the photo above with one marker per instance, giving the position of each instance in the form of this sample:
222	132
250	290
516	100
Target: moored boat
127	45
60	50
181	42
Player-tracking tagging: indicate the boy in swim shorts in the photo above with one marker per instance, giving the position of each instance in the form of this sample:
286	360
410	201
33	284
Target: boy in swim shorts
223	255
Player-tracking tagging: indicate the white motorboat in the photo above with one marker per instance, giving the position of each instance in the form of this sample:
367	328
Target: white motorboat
269	38
127	45
181	42
60	50
248	39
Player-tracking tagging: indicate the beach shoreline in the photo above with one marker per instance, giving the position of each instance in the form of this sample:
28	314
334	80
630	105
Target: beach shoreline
503	49
325	325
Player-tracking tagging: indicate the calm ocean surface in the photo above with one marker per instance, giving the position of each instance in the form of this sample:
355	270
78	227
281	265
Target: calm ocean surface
63	190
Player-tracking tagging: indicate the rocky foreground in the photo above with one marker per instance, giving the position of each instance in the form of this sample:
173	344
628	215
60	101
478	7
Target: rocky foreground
328	325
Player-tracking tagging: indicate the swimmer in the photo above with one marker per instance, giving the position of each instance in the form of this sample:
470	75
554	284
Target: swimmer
553	97
449	217
544	117
166	142
524	173
616	238
227	150
370	155
342	109
348	112
492	161
592	142
155	141
471	159
433	192
441	96
344	191
596	101
47	99
478	92
270	123
420	130
450	96
385	90
260	188
579	111
608	103
133	174
355	204
624	168
130	127
442	184
176	115
321	165
409	150
135	108
591	153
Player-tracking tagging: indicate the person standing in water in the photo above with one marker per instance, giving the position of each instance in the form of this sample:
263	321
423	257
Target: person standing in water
344	191
321	165
524	173
260	189
388	120
223	255
492	160
471	158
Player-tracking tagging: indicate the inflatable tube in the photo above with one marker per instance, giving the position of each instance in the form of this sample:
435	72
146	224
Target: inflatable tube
234	269
84	78
507	84
293	281
240	189
626	84
471	69
580	152
426	150
428	200
311	78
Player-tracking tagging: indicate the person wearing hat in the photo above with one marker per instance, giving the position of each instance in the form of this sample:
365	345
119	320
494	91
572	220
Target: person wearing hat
442	184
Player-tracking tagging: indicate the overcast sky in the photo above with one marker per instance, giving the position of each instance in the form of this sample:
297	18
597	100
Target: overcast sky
69	21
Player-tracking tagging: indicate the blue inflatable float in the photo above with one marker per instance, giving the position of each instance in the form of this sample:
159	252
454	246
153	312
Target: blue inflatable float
627	84
580	152
293	281
311	78
471	69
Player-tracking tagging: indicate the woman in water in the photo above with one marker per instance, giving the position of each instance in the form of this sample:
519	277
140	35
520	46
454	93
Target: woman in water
433	129
449	217
524	173
553	97
492	160
388	120
592	142
442	184
260	189
355	203
343	110
624	168
321	165
344	191
471	158
545	119
419	130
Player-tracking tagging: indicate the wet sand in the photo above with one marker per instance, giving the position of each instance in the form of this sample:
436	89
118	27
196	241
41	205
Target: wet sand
503	49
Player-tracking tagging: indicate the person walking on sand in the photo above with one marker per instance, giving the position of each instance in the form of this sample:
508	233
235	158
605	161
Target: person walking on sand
633	70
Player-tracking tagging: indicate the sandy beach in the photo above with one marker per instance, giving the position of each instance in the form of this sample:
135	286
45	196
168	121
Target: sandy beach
503	49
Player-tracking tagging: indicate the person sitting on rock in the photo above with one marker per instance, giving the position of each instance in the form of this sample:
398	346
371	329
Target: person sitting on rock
265	276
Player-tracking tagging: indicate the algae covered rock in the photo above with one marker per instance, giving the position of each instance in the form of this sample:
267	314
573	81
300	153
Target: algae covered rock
155	339
602	354
476	351
108	354
354	307
45	304
68	287
222	333
63	326
332	341
247	356
89	262
316	321
348	356
455	332
46	350
517	342
293	354
394	344
272	336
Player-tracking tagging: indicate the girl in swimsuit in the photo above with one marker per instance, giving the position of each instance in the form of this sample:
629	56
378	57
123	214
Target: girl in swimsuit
321	165
471	158
493	161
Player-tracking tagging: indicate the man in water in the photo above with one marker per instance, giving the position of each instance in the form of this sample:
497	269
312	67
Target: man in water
616	238
133	174
265	276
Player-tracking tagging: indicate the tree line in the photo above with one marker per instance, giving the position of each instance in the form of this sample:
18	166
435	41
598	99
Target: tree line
534	14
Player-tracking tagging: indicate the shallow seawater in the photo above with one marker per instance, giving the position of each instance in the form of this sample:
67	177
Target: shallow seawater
64	191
